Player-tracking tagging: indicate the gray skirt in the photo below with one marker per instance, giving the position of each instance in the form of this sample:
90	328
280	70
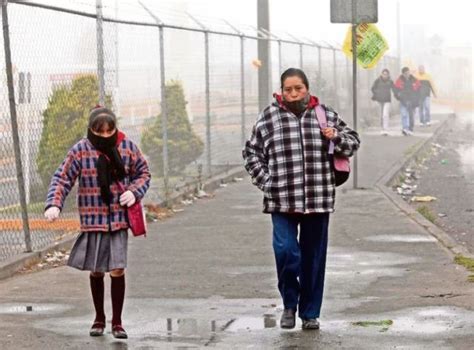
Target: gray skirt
100	251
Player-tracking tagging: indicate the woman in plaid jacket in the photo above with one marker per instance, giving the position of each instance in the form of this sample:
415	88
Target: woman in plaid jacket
287	158
100	160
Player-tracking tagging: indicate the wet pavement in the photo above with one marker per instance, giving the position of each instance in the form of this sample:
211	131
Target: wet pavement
206	278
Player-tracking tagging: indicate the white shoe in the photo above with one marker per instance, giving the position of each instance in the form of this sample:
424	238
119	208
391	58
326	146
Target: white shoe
428	123
384	133
409	132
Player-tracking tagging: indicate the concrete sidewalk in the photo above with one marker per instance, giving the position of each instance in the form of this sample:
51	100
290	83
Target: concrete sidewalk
206	277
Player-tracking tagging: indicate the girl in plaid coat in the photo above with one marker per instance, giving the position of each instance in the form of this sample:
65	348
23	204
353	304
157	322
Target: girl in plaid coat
287	158
99	161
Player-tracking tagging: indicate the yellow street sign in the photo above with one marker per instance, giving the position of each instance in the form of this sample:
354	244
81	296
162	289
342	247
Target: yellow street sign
371	45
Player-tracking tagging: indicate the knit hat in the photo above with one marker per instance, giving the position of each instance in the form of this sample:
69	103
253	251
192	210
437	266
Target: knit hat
99	110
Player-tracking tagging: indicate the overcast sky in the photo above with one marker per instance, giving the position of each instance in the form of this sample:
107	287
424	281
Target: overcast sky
452	20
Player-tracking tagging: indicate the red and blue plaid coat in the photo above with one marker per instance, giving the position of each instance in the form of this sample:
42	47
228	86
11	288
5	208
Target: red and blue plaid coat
81	162
288	159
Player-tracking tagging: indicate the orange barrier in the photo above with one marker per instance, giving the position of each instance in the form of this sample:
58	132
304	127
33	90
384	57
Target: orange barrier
41	224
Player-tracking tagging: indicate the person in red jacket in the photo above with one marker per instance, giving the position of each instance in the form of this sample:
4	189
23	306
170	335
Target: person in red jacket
100	160
407	92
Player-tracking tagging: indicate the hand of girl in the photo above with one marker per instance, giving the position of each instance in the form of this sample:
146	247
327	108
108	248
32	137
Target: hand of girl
127	199
52	213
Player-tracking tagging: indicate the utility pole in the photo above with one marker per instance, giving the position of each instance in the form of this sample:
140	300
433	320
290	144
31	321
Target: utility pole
264	72
399	38
100	52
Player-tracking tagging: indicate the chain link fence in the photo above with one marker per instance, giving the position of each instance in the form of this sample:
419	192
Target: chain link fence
187	93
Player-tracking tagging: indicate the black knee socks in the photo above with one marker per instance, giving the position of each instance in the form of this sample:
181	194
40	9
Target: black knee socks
97	290
118	294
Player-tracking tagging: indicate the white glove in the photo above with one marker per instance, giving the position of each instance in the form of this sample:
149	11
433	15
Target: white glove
52	213
127	199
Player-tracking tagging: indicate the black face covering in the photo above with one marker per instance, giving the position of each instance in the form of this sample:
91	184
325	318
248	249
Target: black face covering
299	106
109	166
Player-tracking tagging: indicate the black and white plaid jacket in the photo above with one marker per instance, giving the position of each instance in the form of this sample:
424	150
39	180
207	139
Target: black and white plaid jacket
287	158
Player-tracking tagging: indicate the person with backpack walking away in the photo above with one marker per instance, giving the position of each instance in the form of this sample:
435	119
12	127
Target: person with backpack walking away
101	160
288	159
382	93
407	92
426	87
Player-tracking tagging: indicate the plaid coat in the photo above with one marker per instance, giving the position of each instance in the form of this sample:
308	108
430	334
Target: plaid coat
81	162
287	158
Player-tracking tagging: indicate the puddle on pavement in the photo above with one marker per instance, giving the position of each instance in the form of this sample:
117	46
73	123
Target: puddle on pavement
401	238
190	327
252	323
31	308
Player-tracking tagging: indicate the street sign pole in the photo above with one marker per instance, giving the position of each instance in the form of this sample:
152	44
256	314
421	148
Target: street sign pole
354	84
354	12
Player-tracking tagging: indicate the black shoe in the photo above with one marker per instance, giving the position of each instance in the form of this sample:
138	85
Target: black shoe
97	329
311	323
287	320
118	332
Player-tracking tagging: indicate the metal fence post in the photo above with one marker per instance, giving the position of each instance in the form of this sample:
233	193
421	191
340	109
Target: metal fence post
164	104
208	96
301	56
354	92
334	63
13	117
100	52
164	114
208	105
242	87
320	72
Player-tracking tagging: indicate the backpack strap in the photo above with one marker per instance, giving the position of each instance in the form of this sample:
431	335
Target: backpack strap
323	123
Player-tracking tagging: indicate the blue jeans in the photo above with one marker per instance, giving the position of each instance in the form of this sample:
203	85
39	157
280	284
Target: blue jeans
301	264
425	115
408	117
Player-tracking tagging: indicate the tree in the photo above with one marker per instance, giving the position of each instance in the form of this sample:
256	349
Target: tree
184	146
65	122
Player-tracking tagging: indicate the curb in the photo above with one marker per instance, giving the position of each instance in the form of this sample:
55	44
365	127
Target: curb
12	265
384	183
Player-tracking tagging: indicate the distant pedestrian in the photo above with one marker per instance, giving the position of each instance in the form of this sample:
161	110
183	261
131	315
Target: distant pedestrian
105	157
426	87
407	92
382	93
287	158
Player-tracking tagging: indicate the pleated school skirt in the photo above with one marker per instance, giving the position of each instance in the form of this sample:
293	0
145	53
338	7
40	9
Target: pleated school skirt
100	251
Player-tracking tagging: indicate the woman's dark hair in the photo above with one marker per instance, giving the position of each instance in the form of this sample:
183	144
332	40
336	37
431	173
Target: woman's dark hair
385	70
294	72
405	69
100	116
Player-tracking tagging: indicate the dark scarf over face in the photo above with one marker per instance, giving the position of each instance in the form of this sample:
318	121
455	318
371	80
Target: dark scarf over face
109	166
299	106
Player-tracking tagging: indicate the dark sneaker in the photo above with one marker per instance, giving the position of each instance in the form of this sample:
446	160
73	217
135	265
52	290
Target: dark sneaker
311	323
287	320
97	329
118	332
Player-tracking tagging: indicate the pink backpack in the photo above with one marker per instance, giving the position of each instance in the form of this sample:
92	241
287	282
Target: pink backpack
341	164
